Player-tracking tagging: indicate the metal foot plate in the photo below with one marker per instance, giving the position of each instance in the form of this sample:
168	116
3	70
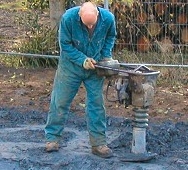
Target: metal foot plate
143	157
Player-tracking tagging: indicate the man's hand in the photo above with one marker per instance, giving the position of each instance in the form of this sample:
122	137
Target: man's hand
89	63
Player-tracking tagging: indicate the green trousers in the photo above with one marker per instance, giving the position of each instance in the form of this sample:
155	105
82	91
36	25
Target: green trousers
66	85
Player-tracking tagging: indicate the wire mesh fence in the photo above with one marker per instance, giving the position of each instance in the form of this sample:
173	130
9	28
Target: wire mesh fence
150	25
154	31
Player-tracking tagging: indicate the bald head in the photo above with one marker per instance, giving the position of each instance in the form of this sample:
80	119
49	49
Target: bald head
88	14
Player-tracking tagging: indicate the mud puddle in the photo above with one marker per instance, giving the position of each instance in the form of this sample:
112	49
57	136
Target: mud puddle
22	144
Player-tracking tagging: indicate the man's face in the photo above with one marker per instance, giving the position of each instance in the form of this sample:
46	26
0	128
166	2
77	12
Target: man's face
90	24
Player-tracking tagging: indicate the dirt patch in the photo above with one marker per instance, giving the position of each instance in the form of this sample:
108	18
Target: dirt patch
30	89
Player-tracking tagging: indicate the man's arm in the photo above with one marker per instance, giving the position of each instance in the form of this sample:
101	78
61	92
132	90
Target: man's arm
65	43
110	40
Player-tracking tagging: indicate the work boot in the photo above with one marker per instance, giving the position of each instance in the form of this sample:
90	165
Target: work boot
102	151
52	146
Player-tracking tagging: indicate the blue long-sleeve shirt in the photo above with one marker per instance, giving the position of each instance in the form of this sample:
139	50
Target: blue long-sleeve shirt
75	42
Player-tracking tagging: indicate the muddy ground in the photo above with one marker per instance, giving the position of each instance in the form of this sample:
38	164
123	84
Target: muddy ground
25	97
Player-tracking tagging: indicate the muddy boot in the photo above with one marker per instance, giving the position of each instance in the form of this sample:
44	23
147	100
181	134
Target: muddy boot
52	146
102	151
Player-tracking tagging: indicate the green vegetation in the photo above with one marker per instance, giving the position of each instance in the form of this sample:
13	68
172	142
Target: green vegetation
14	5
40	40
38	4
38	37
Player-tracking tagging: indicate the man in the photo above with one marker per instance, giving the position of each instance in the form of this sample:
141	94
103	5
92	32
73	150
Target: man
86	36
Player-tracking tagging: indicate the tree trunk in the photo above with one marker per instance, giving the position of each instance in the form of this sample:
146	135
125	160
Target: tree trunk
57	8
